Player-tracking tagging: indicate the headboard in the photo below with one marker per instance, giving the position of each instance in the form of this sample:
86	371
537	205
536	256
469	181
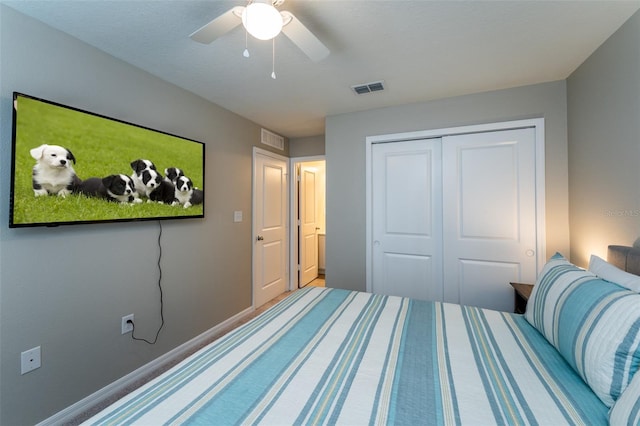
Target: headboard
626	258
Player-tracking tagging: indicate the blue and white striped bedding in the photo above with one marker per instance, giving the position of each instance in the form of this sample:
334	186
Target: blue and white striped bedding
328	356
593	323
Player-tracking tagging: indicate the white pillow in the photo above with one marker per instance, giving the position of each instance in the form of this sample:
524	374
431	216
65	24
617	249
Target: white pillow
608	272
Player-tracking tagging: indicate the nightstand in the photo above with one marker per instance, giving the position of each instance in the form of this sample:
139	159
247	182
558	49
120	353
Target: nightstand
522	293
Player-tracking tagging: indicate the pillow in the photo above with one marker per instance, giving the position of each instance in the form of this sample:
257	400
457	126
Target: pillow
593	323
626	410
609	272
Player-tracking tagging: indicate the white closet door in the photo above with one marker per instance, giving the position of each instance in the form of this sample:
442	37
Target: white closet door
407	230
489	222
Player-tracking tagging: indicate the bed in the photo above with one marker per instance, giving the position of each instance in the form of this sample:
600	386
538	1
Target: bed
331	356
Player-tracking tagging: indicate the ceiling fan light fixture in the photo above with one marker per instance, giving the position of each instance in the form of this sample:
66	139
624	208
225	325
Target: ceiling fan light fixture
262	20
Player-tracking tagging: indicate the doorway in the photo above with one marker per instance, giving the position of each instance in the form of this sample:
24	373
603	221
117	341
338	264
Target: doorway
308	194
270	226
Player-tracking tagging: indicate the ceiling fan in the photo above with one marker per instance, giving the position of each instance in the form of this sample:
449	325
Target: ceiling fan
263	21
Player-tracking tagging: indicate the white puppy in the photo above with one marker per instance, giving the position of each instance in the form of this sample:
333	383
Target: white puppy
53	172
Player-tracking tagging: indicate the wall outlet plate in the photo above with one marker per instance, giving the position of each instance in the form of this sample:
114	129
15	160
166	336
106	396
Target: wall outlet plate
30	360
125	326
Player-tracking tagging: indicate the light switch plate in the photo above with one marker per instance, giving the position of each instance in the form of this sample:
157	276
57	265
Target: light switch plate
237	216
30	360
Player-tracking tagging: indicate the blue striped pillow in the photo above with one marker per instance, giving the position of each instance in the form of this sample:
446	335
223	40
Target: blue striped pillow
626	410
593	323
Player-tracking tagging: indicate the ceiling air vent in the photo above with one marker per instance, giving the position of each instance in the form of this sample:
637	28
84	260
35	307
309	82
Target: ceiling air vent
361	89
272	139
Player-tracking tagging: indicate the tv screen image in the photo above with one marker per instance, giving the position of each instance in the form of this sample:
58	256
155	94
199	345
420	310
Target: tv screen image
54	142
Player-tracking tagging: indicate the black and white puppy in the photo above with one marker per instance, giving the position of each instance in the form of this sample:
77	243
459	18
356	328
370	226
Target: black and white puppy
117	188
172	174
163	193
186	194
142	164
53	172
145	176
184	189
197	197
146	181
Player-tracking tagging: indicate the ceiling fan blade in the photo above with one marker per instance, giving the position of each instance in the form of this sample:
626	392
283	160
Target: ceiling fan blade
303	38
219	26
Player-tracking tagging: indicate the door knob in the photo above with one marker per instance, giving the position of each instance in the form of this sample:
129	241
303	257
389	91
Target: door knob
530	253
259	238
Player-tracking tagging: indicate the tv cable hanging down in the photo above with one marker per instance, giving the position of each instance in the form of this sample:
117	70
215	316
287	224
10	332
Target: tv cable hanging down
133	332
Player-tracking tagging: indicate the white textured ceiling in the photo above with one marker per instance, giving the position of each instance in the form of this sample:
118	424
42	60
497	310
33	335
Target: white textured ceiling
423	50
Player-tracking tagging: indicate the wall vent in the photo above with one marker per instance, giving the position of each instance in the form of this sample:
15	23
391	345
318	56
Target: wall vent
375	86
272	139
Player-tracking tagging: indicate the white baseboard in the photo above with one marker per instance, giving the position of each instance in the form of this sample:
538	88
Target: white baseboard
119	385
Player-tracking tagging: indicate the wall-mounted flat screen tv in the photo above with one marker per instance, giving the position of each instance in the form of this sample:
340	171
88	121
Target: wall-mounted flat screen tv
71	166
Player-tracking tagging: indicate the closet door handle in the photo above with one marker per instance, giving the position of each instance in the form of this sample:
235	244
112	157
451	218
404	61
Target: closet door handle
259	238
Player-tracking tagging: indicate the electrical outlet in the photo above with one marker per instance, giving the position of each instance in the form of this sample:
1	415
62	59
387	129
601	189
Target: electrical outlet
30	360
127	327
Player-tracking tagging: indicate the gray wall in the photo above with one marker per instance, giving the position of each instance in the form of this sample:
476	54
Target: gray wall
345	154
604	145
306	147
65	289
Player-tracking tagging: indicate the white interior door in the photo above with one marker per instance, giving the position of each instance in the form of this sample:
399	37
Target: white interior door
490	216
407	232
308	224
269	226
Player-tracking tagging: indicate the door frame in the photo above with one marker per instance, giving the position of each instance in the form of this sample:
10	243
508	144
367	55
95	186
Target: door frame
293	229
263	152
536	123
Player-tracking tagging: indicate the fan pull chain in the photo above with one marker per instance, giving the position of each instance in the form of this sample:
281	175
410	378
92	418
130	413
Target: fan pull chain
273	58
246	44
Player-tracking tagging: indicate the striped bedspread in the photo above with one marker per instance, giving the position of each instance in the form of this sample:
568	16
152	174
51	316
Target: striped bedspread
328	356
